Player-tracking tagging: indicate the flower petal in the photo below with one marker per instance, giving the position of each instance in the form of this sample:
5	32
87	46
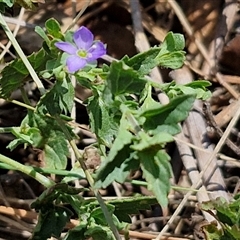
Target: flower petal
83	38
75	63
66	47
96	51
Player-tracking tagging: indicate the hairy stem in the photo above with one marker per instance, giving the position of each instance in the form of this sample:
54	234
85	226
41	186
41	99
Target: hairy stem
90	179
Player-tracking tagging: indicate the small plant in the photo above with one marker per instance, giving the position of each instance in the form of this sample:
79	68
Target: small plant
227	225
132	128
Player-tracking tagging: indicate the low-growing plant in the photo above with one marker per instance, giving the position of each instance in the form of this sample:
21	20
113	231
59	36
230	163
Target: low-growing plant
131	127
227	224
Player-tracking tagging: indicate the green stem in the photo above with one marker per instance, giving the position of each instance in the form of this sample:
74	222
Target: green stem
21	104
25	96
6	129
90	179
77	175
22	55
64	117
27	170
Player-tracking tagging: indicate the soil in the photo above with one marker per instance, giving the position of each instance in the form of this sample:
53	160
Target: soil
211	30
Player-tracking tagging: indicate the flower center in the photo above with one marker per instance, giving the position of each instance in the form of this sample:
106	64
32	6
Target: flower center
82	53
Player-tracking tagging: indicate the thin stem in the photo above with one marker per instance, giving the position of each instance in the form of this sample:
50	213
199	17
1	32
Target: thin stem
6	129
27	170
90	179
22	104
78	175
22	55
25	96
64	117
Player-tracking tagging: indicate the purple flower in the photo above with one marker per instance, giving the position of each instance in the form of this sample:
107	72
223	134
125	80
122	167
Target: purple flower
84	50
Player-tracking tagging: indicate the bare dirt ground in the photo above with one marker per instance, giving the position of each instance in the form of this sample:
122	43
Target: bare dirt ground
211	29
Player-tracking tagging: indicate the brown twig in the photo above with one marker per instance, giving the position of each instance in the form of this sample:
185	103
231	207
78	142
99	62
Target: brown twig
218	130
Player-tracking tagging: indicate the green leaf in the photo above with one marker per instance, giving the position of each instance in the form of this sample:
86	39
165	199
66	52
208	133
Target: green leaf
59	99
116	165
51	223
14	75
172	42
128	206
98	214
143	62
99	232
75	173
54	28
123	79
226	212
157	171
101	120
50	139
77	232
6	5
40	31
231	233
148	101
212	232
9	3
24	135
199	88
171	54
166	117
172	60
156	141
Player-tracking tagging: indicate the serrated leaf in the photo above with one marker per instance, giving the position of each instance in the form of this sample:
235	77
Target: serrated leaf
172	42
157	172
143	62
99	232
77	232
166	117
115	166
171	54
51	140
125	163
128	206
172	60
15	73
124	79
54	28
198	88
101	120
51	222
156	141
59	99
